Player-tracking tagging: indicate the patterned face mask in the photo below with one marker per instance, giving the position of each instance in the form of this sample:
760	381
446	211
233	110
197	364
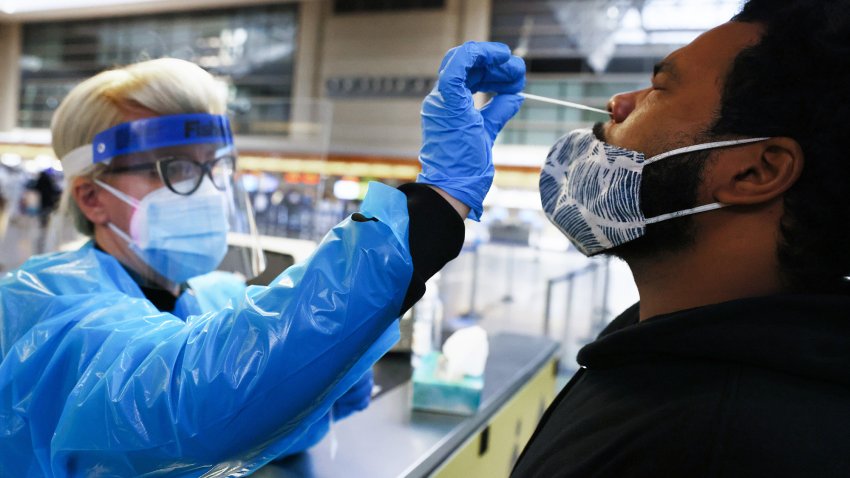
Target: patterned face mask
590	190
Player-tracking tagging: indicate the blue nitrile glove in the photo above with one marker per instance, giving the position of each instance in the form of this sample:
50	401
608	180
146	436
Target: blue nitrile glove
356	398
456	137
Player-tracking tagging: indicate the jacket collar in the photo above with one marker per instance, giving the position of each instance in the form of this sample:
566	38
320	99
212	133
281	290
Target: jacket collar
806	335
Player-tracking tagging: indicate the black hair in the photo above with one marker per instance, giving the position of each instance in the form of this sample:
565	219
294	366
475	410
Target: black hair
795	82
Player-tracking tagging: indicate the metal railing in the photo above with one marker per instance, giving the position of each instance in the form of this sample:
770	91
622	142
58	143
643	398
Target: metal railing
599	313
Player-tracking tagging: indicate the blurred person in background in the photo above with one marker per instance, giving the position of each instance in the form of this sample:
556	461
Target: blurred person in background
49	192
11	188
12	182
4	202
724	187
134	356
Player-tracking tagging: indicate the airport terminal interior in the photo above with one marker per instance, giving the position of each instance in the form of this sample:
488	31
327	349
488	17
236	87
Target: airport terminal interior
324	97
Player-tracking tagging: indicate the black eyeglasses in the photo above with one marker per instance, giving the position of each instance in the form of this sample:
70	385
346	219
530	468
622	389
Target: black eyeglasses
184	175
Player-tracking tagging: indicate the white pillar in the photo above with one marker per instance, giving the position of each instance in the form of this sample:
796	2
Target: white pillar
10	74
311	117
475	20
474	25
308	49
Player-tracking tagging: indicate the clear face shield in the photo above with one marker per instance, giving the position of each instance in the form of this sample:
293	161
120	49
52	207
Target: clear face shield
189	212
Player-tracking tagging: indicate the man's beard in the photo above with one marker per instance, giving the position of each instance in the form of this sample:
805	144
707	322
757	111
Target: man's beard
667	186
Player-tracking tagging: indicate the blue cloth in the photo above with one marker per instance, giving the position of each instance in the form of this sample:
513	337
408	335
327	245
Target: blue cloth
95	381
457	138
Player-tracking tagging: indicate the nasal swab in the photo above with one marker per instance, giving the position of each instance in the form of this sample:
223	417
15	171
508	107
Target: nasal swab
563	103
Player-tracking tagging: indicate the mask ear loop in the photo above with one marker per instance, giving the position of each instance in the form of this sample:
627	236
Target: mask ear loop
690	149
129	200
126	198
686	212
703	146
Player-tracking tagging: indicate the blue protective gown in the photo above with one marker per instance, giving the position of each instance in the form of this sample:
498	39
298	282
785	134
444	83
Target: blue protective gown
213	291
95	381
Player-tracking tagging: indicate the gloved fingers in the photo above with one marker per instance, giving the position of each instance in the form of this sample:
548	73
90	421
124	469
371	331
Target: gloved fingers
447	57
461	58
507	77
356	398
363	387
467	64
499	111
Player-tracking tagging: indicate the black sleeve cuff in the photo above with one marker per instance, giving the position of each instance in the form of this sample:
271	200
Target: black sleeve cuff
435	236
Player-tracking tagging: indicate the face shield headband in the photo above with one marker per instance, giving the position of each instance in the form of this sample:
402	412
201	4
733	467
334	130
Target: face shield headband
149	134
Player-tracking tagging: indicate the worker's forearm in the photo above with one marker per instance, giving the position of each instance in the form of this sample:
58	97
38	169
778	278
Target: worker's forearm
461	208
436	233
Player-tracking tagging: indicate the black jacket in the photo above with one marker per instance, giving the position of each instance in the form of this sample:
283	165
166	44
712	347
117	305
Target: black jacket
752	388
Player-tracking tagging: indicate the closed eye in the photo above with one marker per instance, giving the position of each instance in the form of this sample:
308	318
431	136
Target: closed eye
663	73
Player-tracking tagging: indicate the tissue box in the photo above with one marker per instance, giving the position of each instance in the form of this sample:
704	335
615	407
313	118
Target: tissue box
435	394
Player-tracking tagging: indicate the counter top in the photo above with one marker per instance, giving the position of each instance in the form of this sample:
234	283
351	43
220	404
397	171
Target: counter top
390	440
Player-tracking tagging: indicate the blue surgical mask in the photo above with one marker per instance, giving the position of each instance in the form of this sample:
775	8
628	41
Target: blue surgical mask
179	237
590	190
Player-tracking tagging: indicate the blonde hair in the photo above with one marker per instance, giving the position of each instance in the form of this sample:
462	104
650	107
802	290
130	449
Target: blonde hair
164	86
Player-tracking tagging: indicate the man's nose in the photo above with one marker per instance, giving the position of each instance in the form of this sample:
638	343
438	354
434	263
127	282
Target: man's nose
621	105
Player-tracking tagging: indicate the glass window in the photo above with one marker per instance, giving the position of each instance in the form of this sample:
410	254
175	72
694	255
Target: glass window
542	123
252	49
613	36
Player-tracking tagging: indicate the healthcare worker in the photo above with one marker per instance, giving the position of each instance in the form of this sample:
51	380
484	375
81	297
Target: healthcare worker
132	356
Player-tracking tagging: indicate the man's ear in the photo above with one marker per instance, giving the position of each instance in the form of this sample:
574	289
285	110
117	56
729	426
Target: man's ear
84	192
757	173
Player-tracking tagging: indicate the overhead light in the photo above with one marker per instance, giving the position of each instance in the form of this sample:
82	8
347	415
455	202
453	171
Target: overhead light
686	15
346	189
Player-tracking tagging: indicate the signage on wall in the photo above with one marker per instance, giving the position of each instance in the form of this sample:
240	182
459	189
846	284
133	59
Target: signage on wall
379	86
362	6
